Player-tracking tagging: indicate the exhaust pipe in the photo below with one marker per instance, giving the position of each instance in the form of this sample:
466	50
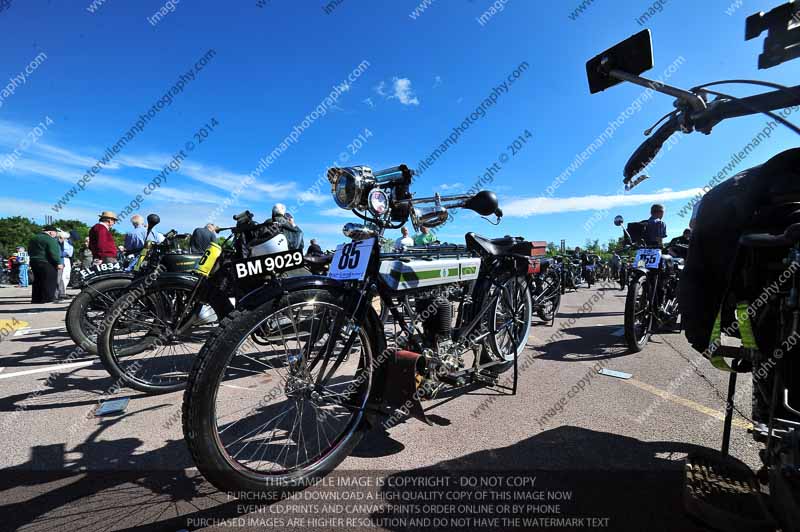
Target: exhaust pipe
402	390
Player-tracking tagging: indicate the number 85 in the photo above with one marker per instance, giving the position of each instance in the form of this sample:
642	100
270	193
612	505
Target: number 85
350	258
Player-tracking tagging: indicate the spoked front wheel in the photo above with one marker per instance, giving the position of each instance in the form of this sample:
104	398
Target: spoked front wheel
549	297
150	338
88	310
638	314
281	414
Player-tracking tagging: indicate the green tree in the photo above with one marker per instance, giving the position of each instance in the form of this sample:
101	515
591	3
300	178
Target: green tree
552	249
16	231
73	225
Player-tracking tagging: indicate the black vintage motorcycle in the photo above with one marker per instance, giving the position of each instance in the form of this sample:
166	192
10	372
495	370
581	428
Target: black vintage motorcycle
740	289
652	300
157	325
103	284
544	279
278	413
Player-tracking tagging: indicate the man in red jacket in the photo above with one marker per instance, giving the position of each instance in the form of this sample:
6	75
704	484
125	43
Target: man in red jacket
101	241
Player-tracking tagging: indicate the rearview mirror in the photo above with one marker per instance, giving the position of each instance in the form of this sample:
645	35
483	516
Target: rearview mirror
618	220
484	203
634	55
153	220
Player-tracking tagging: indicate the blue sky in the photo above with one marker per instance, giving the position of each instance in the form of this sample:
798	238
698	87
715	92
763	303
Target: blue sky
273	65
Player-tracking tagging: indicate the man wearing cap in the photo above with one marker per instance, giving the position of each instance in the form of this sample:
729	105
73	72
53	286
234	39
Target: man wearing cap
286	224
101	241
46	263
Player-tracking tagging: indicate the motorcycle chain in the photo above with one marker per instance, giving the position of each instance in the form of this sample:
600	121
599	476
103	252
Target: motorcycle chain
720	395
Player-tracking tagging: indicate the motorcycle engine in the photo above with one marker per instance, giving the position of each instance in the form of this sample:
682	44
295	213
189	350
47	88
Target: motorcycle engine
435	312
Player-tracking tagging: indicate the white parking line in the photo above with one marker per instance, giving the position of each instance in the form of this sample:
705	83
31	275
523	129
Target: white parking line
50	369
28	330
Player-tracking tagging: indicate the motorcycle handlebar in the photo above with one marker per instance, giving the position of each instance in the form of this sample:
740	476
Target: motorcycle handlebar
705	120
647	151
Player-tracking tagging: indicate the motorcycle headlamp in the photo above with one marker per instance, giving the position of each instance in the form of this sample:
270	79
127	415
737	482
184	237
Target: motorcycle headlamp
350	186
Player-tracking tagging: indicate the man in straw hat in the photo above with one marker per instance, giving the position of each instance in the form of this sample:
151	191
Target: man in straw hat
101	241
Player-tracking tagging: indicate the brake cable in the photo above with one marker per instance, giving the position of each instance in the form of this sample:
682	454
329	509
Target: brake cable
651	128
777	86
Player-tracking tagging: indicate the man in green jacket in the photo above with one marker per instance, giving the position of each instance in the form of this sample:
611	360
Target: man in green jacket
424	237
45	257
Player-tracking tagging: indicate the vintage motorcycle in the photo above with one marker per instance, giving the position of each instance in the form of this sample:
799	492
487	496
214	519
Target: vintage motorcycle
278	413
157	325
102	285
740	288
652	300
544	280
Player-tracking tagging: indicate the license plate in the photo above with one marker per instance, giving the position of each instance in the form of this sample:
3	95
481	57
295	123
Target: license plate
100	268
350	260
649	258
268	264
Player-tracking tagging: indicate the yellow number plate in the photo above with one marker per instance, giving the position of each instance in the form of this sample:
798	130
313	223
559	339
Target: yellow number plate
208	259
142	255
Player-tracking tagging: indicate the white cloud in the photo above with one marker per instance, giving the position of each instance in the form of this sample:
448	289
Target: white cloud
336	212
380	88
369	102
525	207
437	81
403	91
451	186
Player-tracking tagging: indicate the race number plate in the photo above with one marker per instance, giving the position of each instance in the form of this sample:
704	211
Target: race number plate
209	259
142	255
269	264
350	260
649	258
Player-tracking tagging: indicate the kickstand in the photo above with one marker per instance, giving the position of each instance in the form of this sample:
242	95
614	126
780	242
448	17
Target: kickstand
726	430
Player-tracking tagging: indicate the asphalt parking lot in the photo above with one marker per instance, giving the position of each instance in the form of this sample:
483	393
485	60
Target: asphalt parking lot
615	444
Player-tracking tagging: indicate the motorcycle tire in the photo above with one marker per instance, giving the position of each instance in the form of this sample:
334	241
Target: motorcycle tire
82	332
549	313
113	356
637	294
200	410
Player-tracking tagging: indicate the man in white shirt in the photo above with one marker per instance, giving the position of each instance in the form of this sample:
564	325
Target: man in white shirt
404	241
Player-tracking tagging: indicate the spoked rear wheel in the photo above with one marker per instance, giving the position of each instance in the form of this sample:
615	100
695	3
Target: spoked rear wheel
638	314
509	321
279	416
145	346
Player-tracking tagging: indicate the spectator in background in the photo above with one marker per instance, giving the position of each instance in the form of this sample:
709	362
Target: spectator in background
134	239
313	249
404	241
287	226
22	261
86	254
66	259
424	237
101	241
45	258
202	237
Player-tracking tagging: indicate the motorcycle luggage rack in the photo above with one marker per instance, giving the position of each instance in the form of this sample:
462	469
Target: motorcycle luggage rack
448	251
